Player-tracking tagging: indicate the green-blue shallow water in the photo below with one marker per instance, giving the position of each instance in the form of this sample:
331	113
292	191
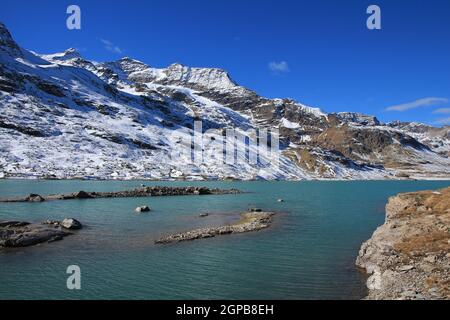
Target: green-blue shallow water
308	253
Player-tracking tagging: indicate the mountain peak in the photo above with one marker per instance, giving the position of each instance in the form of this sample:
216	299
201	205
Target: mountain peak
7	43
129	59
72	51
130	65
358	118
67	55
4	33
208	78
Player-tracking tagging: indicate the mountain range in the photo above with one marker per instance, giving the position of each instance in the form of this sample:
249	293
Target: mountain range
63	116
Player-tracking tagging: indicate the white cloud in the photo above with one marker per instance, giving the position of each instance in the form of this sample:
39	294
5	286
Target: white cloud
443	121
417	104
279	67
108	45
442	111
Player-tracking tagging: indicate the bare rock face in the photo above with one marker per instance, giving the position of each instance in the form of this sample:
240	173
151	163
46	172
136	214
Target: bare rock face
408	257
7	44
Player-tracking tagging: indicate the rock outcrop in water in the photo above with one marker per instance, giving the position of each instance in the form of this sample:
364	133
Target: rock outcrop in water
23	234
250	221
68	223
409	256
139	192
142	209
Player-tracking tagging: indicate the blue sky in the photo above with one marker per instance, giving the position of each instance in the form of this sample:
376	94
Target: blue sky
317	52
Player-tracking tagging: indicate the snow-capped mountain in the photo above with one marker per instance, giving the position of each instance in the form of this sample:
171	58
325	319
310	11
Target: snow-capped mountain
62	116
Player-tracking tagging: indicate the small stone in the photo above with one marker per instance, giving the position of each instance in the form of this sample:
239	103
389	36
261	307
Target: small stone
408	293
405	268
430	259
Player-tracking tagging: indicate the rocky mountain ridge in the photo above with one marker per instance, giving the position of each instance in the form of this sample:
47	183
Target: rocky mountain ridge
63	116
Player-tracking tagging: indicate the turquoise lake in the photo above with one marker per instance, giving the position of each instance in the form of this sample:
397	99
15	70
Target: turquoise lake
308	252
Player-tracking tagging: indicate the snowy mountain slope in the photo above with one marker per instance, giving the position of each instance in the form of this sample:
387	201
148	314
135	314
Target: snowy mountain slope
62	116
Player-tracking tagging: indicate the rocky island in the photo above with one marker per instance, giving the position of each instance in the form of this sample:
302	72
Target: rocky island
250	221
135	193
408	257
23	234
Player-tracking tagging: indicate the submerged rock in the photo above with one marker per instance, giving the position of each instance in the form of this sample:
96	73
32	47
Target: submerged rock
248	222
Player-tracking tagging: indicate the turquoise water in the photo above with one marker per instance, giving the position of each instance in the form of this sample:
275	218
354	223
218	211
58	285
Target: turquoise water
308	253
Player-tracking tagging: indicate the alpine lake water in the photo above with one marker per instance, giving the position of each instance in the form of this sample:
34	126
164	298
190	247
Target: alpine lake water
308	252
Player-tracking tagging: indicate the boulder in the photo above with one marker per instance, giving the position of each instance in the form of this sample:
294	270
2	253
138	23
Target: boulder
82	195
142	209
71	224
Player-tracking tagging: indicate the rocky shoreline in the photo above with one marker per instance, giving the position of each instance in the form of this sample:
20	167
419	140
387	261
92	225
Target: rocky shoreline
408	257
14	234
250	221
156	191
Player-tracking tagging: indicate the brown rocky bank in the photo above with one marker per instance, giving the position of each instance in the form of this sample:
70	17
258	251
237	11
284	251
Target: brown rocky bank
408	257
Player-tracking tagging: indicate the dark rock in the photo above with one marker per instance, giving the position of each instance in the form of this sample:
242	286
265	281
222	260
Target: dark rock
13	224
82	195
142	209
35	198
